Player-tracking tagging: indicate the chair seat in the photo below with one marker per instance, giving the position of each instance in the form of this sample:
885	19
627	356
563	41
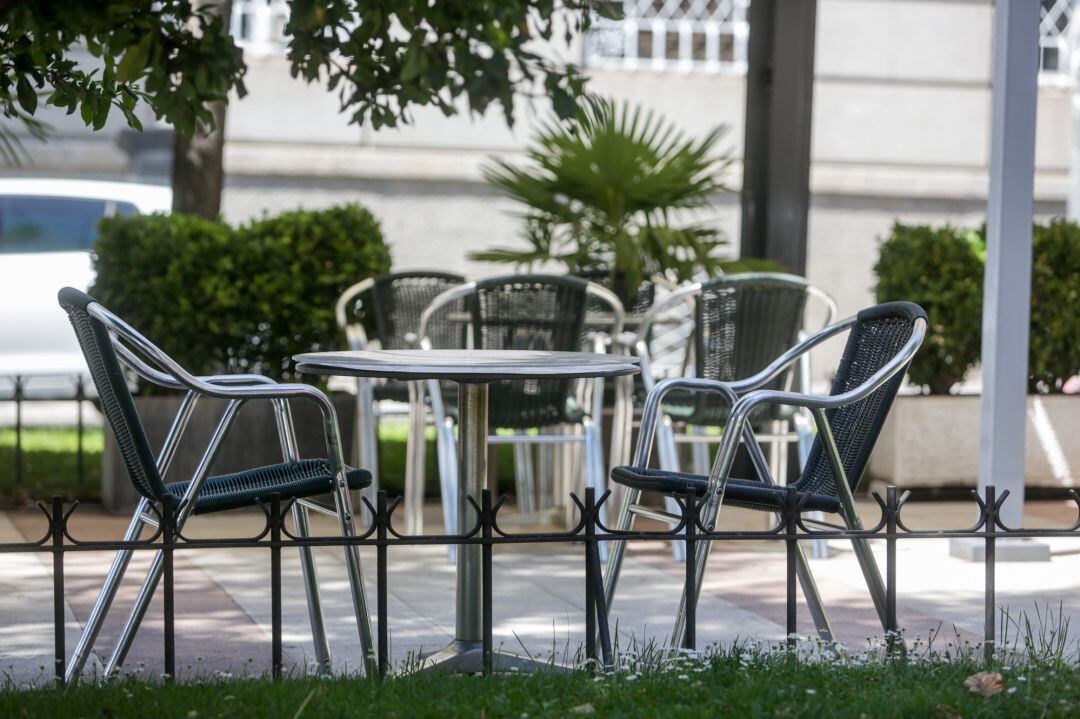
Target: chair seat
304	478
746	493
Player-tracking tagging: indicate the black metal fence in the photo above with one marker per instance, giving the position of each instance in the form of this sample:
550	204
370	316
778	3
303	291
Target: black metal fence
19	389
589	531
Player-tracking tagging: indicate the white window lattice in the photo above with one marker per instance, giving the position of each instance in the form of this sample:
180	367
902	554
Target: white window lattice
259	26
684	35
1054	39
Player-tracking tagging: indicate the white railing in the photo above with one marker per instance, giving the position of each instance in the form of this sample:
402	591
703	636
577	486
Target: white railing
1056	41
665	35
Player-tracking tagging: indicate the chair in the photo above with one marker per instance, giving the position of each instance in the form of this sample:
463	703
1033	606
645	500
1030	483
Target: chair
392	304
107	342
534	312
738	325
881	343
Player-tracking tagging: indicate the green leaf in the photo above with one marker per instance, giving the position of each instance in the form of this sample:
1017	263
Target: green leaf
415	61
134	60
27	96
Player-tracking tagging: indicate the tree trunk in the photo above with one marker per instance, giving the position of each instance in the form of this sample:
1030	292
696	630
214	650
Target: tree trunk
198	173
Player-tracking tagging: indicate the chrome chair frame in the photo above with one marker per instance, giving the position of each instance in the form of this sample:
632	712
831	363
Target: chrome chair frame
800	428
744	396
157	367
591	392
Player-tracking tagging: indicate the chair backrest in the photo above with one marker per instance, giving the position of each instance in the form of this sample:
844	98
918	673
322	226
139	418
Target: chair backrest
529	312
877	337
399	298
636	302
744	322
112	388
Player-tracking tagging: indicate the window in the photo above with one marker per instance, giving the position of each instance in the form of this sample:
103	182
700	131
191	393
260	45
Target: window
1054	39
53	224
259	25
682	35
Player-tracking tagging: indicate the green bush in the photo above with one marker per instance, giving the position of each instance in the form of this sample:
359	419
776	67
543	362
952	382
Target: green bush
1054	353
942	271
243	300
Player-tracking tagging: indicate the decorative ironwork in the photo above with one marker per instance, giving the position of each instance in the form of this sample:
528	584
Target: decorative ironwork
589	530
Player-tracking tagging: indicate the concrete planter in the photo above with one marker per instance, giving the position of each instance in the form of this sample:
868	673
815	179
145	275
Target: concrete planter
933	441
253	440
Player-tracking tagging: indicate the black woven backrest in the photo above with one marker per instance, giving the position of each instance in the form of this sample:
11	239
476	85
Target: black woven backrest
112	389
529	312
744	322
636	302
876	338
398	300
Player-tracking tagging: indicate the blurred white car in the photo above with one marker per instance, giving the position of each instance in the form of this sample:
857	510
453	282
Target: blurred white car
47	228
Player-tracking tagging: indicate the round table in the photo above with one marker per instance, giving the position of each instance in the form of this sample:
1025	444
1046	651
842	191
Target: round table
472	370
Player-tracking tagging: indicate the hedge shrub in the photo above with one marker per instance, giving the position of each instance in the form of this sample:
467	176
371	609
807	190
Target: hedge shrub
938	269
942	270
237	300
1054	353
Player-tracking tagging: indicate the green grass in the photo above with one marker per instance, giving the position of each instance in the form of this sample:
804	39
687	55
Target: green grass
49	464
731	684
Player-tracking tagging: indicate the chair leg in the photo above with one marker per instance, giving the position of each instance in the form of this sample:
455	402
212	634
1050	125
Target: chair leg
545	471
699	452
594	471
356	577
367	435
138	611
446	451
524	484
106	596
301	519
669	461
414	460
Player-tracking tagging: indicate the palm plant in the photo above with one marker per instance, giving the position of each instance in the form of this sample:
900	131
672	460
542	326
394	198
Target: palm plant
602	193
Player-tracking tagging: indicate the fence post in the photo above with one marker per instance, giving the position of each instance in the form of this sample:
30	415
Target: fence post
990	560
168	541
486	522
791	517
590	592
381	599
891	629
689	537
275	585
58	521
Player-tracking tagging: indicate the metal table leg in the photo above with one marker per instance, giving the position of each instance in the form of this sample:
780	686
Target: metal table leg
465	655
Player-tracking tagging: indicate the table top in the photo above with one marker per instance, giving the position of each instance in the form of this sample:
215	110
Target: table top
466	365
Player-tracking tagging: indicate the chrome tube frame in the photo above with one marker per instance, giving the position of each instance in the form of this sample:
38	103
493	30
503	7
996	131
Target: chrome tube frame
159	368
594	470
745	396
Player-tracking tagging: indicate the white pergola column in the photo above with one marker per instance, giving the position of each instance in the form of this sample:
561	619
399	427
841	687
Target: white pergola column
1007	294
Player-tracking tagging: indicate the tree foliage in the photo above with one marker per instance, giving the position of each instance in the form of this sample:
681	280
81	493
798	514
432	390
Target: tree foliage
237	300
603	193
383	57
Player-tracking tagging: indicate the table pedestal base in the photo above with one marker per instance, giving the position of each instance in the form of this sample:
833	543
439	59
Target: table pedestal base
459	657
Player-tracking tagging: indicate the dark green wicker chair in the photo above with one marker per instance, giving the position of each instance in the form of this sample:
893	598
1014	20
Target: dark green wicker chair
534	312
740	323
390	306
882	341
108	344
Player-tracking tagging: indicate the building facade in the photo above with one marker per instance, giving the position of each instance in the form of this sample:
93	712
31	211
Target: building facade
901	127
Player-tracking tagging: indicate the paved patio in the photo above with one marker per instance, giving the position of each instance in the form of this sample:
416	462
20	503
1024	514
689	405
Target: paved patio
223	601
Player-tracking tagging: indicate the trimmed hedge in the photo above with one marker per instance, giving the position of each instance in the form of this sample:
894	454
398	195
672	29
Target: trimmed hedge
237	300
942	270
